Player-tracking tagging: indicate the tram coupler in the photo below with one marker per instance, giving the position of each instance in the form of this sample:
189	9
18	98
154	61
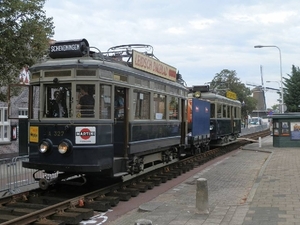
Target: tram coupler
45	183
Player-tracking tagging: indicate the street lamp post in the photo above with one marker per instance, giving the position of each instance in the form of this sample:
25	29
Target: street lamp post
281	86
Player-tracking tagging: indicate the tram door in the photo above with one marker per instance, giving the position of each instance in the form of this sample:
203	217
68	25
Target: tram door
121	121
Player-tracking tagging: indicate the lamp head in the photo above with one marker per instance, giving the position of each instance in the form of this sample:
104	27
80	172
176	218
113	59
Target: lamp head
258	46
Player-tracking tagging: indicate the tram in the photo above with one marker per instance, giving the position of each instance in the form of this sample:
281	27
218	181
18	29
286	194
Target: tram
104	113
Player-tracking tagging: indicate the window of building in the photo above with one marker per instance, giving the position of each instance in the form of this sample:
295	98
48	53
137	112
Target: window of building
23	113
4	125
141	105
159	106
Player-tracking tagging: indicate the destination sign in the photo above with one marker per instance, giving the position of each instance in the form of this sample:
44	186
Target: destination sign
150	65
71	48
231	95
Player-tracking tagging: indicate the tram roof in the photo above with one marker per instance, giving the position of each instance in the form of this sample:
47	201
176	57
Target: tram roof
98	62
215	97
79	54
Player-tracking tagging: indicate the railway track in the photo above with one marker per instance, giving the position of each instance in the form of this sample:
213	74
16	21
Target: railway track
67	205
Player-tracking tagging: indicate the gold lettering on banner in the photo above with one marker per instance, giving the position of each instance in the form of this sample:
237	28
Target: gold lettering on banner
153	66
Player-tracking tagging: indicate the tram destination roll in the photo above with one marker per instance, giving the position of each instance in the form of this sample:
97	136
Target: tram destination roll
70	48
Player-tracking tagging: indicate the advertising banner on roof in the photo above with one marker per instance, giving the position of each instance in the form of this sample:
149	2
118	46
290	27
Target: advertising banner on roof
142	62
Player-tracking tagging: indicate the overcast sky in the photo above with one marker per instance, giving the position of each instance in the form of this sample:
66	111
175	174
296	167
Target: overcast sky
199	38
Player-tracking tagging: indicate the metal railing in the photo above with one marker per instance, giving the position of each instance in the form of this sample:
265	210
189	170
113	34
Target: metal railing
14	178
5	175
254	129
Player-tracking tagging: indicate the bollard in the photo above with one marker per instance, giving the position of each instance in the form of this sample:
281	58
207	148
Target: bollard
143	222
202	196
259	142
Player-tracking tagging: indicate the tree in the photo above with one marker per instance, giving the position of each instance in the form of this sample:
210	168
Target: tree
292	91
227	80
24	37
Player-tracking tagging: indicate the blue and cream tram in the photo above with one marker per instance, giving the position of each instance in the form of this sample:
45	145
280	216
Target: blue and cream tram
225	118
133	116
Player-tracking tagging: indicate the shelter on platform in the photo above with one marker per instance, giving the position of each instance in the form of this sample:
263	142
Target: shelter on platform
286	130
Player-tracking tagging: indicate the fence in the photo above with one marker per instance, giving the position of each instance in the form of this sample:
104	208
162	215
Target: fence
14	178
254	129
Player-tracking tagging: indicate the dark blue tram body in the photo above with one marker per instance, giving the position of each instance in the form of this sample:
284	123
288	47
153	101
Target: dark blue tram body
225	119
198	116
107	138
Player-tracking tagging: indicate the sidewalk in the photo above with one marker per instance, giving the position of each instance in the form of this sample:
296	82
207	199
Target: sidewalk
252	186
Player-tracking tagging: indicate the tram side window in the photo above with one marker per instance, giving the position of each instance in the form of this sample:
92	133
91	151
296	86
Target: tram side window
159	106
219	110
224	111
85	101
234	110
212	110
58	101
105	102
141	105
228	112
173	108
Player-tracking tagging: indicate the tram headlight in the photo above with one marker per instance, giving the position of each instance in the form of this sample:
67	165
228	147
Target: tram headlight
45	146
64	146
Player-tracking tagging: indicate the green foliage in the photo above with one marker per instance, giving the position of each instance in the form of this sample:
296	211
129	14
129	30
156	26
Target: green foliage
292	91
24	36
227	80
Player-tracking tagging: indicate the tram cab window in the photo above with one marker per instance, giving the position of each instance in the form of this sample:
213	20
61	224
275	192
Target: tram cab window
85	101
105	102
141	105
57	101
173	108
159	106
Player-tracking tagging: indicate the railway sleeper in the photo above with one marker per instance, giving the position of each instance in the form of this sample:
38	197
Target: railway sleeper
155	181
15	211
150	185
26	205
176	172
141	187
163	178
113	201
101	206
4	218
48	222
122	195
45	200
86	213
133	191
168	175
68	217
